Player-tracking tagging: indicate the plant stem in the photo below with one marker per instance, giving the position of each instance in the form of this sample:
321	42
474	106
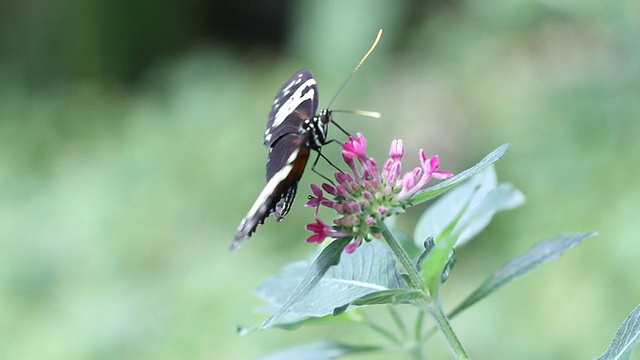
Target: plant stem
414	277
399	323
443	323
418	326
426	303
382	331
416	352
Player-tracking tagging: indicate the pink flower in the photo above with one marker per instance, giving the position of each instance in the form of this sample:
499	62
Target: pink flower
355	147
434	163
322	231
367	196
396	150
318	200
352	246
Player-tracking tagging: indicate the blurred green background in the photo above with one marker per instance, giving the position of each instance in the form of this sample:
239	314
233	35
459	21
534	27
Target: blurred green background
131	147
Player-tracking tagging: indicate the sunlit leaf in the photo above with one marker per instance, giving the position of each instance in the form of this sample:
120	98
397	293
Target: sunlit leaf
391	297
299	287
626	338
480	198
540	253
503	197
369	269
444	186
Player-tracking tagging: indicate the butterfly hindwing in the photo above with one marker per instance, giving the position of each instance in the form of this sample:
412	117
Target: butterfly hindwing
266	201
281	150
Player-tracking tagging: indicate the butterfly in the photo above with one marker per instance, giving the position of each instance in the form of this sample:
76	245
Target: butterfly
293	130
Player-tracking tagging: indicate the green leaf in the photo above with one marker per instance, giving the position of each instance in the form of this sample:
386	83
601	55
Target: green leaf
626	338
503	197
437	190
407	243
540	253
435	264
369	269
329	257
384	297
321	350
475	202
393	297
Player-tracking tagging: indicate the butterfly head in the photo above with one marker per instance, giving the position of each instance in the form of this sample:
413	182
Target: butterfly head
317	127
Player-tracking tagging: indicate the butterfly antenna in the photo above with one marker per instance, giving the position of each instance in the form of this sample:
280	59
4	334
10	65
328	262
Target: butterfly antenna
375	43
371	114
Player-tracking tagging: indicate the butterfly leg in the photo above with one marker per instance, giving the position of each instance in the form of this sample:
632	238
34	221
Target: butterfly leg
340	128
313	167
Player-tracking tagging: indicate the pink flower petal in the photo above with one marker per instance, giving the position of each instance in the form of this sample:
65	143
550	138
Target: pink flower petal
316	190
396	150
352	246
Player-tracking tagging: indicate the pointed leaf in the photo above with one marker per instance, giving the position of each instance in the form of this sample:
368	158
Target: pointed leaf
460	199
369	269
478	200
444	186
503	197
384	297
626	338
329	257
539	254
320	350
435	264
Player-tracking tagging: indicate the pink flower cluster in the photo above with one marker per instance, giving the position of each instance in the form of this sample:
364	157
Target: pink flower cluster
365	197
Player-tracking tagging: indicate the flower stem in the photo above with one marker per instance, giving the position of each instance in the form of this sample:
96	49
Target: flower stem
443	324
399	323
382	331
425	303
418	326
414	276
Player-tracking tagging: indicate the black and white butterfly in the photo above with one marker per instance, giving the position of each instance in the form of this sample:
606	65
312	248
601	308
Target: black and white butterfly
293	130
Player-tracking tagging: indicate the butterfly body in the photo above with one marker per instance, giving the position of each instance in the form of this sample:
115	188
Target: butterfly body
293	130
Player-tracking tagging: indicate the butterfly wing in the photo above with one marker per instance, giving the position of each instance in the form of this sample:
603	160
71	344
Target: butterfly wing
295	102
281	150
288	142
287	160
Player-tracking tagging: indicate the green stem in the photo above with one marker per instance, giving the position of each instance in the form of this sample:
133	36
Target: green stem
426	303
414	276
418	326
396	318
416	352
444	326
382	331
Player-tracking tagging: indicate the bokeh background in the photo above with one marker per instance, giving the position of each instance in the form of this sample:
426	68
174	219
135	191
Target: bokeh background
131	147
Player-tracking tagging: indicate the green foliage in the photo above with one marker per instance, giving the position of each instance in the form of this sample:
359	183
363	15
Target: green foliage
626	338
336	282
130	147
540	253
472	206
441	188
306	289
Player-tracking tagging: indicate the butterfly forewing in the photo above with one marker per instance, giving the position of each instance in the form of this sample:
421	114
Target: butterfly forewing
296	101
